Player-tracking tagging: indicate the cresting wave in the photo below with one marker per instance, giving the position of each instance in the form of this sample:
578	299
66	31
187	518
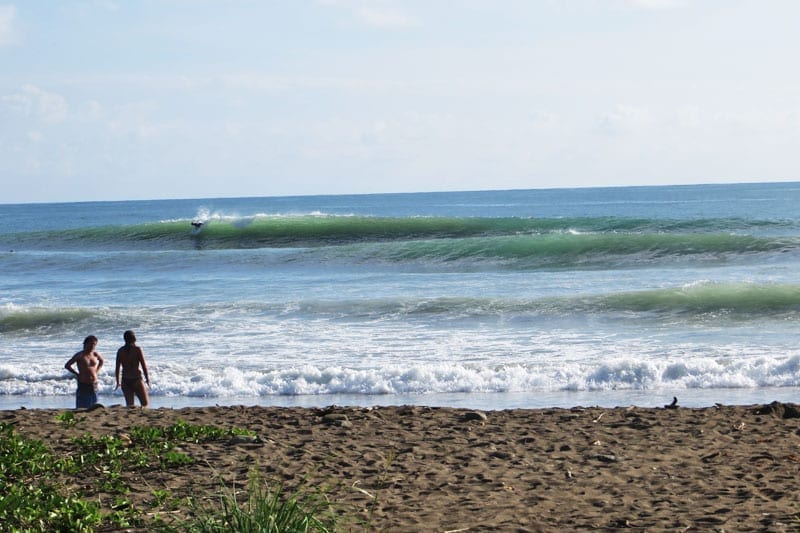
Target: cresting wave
615	374
706	301
299	231
17	318
742	301
519	243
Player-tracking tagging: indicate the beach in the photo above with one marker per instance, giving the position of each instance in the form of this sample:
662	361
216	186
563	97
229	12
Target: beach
416	468
460	329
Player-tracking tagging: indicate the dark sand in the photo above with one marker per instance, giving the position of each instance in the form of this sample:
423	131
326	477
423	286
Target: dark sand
731	468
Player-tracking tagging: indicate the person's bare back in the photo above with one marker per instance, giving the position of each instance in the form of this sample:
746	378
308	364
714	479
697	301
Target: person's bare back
129	358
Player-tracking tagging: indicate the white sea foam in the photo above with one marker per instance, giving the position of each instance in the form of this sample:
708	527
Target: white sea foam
205	214
172	380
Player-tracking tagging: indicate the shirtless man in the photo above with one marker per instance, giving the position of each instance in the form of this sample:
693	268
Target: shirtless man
129	357
89	364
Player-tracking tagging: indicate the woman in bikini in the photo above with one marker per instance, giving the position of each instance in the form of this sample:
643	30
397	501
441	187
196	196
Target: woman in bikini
129	358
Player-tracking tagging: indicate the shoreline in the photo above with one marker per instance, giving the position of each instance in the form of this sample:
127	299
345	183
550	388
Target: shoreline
488	401
408	468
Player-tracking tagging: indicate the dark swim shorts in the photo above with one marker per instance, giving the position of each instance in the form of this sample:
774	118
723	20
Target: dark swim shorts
86	395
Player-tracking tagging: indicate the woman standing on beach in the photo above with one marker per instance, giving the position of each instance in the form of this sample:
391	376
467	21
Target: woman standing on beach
129	358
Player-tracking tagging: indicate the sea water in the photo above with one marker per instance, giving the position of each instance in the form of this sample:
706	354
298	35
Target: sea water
492	299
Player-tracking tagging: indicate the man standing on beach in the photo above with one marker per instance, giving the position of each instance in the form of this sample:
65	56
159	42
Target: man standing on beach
89	364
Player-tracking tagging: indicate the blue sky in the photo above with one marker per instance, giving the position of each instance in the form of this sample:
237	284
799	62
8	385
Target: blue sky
106	100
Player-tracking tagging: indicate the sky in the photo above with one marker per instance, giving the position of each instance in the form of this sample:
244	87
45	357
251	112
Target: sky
145	99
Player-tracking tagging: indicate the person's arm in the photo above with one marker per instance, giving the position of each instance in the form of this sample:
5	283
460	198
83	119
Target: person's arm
116	370
144	367
71	362
100	361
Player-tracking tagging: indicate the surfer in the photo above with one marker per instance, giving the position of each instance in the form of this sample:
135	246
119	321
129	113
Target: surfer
197	224
89	364
129	357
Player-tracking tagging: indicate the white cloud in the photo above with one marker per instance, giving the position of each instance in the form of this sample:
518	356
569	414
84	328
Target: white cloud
35	102
625	119
656	4
620	4
544	119
383	17
375	14
8	35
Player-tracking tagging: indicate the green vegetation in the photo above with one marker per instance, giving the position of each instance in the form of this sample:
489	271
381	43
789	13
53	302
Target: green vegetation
267	510
27	501
67	418
89	487
181	431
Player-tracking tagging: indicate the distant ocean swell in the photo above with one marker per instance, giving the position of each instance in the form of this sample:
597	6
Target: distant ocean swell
431	378
707	301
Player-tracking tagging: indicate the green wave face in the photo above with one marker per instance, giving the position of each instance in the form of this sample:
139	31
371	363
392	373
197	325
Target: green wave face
750	300
517	242
572	251
296	231
741	301
702	301
41	318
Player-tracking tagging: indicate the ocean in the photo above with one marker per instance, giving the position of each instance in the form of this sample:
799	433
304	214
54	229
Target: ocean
486	300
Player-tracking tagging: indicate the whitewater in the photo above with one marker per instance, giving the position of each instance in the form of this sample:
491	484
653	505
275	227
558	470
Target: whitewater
488	299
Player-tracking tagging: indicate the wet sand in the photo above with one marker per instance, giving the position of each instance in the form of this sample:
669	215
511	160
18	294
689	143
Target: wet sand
416	468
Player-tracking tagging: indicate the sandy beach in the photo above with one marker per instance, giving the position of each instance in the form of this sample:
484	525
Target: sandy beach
729	468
